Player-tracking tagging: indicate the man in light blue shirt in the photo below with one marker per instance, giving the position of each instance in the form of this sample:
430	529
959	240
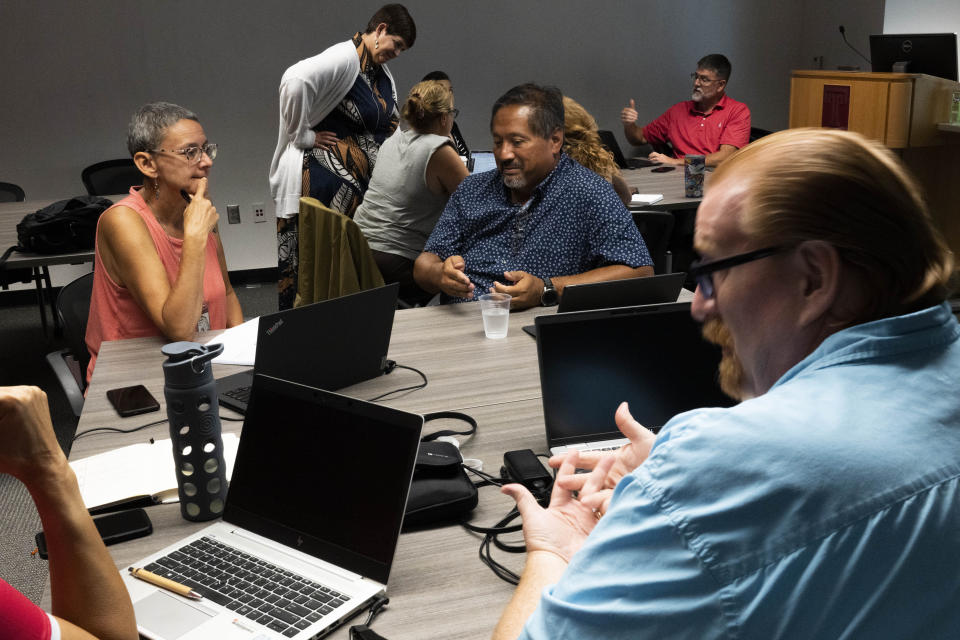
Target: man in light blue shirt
827	503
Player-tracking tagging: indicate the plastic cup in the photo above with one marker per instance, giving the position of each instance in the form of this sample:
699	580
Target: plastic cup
495	309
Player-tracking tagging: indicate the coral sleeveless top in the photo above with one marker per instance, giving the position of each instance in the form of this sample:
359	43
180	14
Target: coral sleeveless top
115	314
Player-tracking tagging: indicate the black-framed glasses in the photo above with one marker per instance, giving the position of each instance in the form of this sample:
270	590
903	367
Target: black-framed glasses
455	113
702	272
704	80
193	153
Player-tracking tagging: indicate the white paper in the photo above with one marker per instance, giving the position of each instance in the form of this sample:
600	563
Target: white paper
640	198
239	344
136	470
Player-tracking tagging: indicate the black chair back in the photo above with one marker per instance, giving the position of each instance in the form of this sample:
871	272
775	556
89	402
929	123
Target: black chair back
73	306
656	227
10	192
756	133
111	177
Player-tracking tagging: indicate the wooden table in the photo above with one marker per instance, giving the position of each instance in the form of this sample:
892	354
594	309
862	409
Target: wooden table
670	184
438	587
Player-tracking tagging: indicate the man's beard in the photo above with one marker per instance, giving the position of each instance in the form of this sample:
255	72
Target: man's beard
518	181
697	95
731	374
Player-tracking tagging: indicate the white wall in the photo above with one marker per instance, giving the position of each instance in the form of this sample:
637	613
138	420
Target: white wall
74	71
820	32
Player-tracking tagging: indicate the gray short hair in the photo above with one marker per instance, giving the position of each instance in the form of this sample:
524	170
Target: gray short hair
149	125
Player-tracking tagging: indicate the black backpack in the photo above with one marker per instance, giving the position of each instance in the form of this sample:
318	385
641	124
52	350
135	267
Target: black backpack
62	227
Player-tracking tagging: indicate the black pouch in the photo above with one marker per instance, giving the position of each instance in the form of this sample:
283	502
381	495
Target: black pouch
441	491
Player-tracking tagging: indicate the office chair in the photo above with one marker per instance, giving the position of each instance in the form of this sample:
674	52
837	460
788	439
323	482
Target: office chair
10	192
70	364
757	133
334	257
656	227
111	177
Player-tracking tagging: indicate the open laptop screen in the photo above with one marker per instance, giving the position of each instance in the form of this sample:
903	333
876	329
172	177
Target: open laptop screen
651	356
325	474
483	161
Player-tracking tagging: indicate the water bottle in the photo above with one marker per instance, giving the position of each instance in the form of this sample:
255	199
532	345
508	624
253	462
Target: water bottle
193	413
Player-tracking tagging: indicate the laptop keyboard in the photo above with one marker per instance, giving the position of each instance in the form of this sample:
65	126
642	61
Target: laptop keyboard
240	393
253	588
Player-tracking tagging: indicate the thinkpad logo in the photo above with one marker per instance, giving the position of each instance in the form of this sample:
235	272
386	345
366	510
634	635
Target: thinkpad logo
274	327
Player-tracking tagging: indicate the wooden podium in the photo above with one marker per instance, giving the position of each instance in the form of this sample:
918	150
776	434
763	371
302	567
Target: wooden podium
904	111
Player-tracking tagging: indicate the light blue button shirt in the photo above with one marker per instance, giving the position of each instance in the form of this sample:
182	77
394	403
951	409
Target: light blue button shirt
829	507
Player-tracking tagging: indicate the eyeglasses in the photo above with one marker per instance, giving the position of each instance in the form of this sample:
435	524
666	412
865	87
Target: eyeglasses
702	272
704	80
455	113
193	153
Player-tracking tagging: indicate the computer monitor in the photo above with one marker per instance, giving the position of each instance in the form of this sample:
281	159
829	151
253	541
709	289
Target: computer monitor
934	54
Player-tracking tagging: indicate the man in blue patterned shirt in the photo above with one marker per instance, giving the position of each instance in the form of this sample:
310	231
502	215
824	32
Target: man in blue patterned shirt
539	222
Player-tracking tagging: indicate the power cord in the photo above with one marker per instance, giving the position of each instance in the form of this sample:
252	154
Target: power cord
491	534
363	631
390	366
77	436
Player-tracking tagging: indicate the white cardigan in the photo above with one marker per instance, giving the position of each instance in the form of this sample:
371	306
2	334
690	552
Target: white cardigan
309	91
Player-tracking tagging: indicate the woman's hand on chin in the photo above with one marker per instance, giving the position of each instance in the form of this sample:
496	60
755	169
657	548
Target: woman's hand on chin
200	216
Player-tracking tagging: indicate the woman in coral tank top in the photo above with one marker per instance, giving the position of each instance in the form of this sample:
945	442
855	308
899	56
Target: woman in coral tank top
159	267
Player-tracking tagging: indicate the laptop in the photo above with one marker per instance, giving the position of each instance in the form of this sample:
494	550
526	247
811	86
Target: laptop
618	293
608	140
329	345
652	356
307	539
482	161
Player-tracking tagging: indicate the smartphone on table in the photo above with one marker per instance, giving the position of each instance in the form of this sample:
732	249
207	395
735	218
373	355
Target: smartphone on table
132	401
113	528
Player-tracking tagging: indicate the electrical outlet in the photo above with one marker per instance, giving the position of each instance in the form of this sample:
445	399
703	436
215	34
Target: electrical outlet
258	212
233	213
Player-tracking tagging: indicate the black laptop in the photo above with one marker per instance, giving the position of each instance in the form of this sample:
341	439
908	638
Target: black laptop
608	140
328	345
628	292
651	356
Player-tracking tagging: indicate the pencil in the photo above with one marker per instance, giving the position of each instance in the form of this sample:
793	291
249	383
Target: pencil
165	583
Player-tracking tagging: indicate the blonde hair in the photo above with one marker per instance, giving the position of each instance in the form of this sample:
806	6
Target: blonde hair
841	188
426	101
582	143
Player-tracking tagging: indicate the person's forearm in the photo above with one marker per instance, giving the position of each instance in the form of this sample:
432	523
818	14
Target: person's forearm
714	159
634	134
542	569
85	585
234	311
601	274
427	272
184	303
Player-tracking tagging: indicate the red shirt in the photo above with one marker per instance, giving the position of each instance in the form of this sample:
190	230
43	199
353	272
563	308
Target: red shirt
690	131
20	618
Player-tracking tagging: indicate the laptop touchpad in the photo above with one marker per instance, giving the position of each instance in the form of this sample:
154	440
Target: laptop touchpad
167	617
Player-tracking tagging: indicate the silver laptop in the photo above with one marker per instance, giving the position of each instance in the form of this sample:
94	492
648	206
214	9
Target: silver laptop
652	356
294	556
482	161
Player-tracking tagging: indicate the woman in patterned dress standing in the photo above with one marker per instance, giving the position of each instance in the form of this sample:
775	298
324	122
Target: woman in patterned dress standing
336	108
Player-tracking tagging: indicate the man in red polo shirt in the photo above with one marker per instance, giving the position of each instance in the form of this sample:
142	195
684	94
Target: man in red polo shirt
710	124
